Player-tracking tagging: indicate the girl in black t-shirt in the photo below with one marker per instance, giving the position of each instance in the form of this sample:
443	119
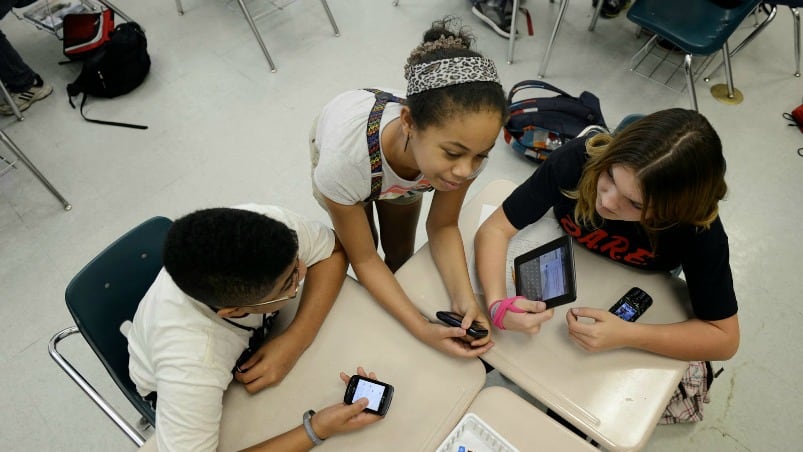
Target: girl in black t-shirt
648	198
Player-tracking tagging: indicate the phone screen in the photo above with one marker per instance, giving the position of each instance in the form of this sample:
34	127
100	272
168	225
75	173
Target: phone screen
371	391
626	311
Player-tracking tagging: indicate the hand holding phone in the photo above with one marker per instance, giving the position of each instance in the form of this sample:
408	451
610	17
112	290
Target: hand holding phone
476	330
379	394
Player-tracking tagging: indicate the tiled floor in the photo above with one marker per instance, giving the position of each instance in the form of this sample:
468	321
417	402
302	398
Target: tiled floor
224	130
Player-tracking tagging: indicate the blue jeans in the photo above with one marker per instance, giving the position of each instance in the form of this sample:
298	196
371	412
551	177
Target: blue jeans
14	73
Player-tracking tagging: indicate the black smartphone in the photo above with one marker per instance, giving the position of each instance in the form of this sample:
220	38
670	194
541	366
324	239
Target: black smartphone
632	304
378	394
453	319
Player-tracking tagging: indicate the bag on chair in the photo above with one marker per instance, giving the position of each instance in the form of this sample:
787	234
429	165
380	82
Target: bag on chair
84	34
539	125
118	66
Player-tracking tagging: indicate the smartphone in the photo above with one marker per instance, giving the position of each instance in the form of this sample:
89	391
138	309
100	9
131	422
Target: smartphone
453	319
632	304
378	394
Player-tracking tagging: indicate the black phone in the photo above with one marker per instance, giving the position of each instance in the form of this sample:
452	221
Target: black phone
632	304
379	394
453	319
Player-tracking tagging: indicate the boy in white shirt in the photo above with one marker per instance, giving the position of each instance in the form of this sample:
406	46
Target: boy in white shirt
227	271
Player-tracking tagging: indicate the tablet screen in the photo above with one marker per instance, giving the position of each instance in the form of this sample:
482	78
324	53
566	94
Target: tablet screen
547	273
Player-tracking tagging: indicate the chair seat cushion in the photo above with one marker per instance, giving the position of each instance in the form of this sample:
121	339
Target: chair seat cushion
698	27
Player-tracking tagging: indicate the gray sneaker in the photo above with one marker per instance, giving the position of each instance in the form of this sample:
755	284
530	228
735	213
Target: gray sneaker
495	14
38	91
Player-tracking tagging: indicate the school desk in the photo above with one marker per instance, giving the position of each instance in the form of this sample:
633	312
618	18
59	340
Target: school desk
616	397
432	390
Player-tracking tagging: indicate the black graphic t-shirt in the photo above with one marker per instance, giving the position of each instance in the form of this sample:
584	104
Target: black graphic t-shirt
703	253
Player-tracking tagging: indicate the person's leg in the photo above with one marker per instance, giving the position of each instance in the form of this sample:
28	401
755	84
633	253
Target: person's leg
25	85
14	73
397	225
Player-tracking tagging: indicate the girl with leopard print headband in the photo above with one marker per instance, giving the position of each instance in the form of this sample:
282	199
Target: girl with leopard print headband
374	151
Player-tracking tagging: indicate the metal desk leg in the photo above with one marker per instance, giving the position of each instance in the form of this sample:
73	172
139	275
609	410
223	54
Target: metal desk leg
11	102
594	18
690	81
21	156
796	18
545	61
331	17
512	39
258	37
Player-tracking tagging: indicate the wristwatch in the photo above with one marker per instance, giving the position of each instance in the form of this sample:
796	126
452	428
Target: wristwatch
308	427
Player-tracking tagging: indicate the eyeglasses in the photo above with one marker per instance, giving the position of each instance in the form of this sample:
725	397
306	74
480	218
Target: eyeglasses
294	278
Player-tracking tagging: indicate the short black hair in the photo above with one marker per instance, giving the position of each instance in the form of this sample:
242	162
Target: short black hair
227	257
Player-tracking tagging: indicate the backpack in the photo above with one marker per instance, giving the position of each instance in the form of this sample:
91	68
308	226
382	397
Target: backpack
539	125
116	68
84	34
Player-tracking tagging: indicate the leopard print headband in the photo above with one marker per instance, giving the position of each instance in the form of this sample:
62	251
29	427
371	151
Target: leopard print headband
447	72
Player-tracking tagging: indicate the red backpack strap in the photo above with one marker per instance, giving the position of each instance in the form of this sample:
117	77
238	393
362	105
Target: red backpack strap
372	135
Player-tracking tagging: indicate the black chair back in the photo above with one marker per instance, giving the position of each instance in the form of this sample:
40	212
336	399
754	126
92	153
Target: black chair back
106	293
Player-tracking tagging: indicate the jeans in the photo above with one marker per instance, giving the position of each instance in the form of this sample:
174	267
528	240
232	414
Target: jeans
14	73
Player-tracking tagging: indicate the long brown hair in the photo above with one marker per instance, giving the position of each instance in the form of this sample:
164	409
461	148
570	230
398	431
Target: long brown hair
678	163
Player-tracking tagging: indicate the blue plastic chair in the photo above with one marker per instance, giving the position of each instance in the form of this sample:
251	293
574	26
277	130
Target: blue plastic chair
104	295
698	27
771	8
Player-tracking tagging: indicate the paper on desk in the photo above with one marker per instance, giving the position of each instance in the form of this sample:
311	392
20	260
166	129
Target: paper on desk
534	235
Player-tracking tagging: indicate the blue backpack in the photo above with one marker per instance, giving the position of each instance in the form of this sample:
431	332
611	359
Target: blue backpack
539	125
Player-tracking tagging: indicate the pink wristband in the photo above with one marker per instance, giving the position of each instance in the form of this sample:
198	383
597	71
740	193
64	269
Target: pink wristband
499	308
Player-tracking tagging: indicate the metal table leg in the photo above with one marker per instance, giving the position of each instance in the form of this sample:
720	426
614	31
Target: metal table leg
22	157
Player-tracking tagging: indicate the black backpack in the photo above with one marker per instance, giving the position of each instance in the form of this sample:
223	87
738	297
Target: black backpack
119	66
539	125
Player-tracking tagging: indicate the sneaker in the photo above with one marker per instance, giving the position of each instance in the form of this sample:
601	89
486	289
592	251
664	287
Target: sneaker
611	8
38	91
495	15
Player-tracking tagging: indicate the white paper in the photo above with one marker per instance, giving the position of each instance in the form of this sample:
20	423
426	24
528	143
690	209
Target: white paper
542	231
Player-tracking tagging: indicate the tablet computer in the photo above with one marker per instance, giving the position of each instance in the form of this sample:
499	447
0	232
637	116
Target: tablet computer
547	273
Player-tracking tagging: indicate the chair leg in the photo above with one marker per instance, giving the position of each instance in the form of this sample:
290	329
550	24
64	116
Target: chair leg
258	37
728	73
331	17
597	12
21	156
11	102
85	386
512	39
770	17
690	81
180	8
796	21
545	61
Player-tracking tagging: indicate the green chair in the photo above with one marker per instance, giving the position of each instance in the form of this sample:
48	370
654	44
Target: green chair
697	27
104	295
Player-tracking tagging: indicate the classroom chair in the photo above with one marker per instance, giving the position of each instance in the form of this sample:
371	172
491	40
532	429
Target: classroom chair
771	9
250	19
697	28
102	297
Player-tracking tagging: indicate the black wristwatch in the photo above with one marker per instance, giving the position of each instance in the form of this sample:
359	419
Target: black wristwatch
308	427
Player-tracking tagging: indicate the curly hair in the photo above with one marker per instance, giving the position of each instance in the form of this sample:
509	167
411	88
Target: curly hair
227	257
447	39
